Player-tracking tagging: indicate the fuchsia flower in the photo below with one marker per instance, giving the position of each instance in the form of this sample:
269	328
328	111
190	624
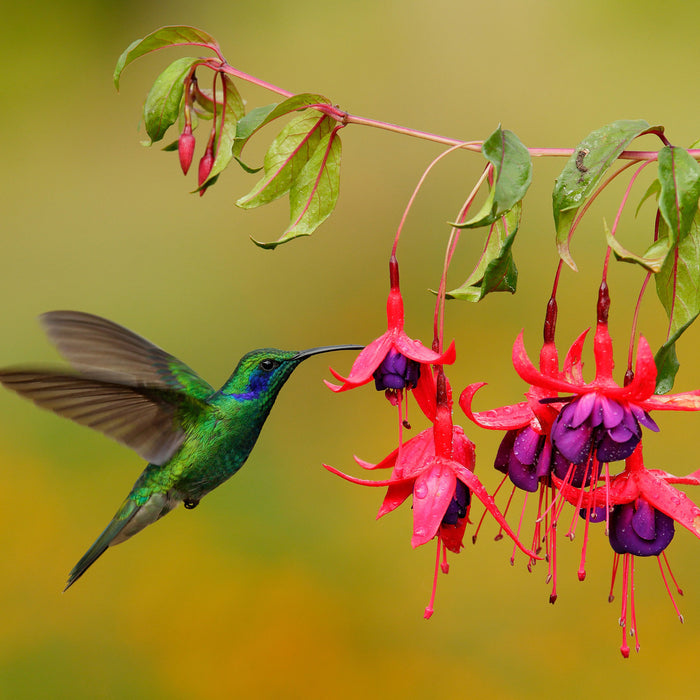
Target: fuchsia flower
642	507
601	418
393	360
436	468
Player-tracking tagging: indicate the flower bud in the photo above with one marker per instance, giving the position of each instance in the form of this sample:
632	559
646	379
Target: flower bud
205	166
185	148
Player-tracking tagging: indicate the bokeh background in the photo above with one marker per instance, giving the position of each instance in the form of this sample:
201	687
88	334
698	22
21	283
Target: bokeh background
281	584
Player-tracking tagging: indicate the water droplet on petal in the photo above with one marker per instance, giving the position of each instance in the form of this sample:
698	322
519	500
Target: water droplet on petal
420	491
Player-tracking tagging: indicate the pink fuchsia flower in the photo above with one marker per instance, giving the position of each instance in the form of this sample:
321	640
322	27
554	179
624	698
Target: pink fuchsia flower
642	506
601	418
436	468
393	360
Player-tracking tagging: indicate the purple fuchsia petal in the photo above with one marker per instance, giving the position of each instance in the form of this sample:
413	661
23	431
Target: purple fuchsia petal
580	410
578	474
396	372
643	418
613	412
644	534
523	476
573	443
458	505
526	445
505	450
544	460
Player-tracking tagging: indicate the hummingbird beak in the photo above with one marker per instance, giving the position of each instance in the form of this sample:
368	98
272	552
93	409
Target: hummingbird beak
326	348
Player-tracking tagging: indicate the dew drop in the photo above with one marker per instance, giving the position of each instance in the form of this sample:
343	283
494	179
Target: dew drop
420	491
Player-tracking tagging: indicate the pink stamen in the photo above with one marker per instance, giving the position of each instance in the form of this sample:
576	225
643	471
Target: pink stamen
673	578
616	562
582	565
499	534
430	607
633	631
553	564
624	649
481	520
668	590
520	523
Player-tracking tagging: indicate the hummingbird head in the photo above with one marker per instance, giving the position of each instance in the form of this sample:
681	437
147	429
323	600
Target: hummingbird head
262	373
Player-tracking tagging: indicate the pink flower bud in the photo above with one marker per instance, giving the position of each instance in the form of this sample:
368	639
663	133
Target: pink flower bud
185	148
205	166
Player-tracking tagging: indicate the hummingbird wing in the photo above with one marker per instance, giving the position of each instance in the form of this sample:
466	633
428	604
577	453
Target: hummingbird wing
101	348
148	419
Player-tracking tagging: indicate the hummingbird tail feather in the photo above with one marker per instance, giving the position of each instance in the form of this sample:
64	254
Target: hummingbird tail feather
98	548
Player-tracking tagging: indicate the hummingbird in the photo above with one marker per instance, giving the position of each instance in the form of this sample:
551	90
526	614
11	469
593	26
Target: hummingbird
193	437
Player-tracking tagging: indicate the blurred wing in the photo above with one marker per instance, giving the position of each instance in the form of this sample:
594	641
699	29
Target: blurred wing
107	350
146	419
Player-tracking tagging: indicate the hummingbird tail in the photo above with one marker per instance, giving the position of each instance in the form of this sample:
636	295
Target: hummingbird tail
130	519
98	548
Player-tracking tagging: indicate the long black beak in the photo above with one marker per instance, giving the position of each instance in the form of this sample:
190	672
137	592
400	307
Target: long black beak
326	348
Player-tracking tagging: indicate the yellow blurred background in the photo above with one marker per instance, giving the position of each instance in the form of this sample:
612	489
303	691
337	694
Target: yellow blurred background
281	584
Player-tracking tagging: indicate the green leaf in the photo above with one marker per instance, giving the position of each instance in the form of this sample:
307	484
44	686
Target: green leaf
496	270
226	134
287	155
314	194
652	191
165	36
257	118
162	106
652	259
583	172
512	176
678	288
667	366
679	174
252	121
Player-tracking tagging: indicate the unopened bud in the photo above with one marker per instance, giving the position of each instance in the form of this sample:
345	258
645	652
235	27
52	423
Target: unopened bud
185	148
205	166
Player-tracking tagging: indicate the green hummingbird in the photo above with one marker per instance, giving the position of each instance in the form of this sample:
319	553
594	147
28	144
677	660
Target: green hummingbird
193	437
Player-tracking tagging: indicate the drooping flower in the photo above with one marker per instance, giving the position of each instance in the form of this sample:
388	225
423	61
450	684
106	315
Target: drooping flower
642	508
436	468
601	418
393	360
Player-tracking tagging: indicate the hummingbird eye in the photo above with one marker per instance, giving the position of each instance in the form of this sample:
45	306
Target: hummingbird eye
267	365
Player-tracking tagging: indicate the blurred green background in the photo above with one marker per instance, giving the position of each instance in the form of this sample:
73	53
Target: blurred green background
281	584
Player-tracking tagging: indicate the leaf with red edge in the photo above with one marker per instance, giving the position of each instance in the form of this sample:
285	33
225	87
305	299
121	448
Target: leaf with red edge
314	193
160	38
259	117
286	157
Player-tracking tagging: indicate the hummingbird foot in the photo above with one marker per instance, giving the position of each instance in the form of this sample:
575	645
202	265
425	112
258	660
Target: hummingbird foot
190	503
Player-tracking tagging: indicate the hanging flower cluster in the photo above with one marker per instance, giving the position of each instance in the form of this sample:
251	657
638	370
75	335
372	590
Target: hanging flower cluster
564	439
436	467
